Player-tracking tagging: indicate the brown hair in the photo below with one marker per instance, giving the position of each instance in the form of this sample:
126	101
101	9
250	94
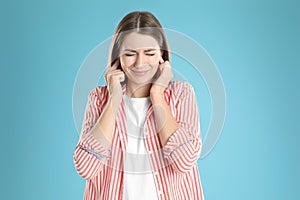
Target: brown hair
140	22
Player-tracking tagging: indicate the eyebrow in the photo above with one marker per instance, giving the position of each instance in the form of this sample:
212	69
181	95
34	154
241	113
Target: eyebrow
147	50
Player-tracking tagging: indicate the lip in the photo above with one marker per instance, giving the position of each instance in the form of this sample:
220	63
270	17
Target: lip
140	73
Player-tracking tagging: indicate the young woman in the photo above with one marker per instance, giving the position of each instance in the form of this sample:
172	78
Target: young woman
140	137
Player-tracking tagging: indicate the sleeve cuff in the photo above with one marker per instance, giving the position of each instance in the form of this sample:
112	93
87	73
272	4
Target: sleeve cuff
176	140
91	145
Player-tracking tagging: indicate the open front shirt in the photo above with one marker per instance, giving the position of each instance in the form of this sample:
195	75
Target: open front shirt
174	165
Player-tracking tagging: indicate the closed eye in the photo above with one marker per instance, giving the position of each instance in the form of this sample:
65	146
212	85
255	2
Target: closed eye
128	54
150	54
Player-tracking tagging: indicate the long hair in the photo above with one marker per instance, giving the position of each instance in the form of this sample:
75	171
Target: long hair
139	22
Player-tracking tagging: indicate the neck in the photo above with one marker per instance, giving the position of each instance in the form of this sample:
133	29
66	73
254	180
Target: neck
138	91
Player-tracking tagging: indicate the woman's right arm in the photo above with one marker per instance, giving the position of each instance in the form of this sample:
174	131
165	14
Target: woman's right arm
93	149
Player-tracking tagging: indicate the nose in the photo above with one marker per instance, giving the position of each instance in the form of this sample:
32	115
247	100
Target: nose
139	60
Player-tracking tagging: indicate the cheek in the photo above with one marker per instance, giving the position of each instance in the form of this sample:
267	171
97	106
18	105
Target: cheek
127	61
124	64
153	60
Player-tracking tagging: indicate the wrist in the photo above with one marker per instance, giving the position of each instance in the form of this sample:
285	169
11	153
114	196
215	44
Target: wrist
157	89
156	97
111	108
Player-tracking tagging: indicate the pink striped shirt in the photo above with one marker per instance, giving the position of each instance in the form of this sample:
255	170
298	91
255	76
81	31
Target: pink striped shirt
174	165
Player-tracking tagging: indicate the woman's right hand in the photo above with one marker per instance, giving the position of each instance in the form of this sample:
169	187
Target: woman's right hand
113	78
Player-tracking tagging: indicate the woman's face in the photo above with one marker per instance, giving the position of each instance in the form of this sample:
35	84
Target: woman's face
139	57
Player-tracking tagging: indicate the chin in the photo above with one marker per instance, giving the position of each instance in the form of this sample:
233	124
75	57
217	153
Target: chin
141	80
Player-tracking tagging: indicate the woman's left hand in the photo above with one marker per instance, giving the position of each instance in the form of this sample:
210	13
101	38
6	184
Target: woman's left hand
164	78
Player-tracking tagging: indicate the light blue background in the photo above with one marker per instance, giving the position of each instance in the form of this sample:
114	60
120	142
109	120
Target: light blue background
255	45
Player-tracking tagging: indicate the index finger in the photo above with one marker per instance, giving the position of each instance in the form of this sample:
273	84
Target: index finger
116	64
161	60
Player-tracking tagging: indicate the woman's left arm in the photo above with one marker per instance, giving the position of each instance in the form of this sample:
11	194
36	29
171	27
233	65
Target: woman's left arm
180	135
166	124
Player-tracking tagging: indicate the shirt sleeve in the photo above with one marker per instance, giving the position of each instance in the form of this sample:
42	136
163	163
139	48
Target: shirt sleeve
183	147
90	156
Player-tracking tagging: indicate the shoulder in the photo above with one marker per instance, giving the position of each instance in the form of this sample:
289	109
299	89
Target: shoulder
178	87
98	92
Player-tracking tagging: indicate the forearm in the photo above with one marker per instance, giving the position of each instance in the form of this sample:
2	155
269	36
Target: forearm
89	157
183	147
103	129
165	122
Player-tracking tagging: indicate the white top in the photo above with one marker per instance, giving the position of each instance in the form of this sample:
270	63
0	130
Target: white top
138	177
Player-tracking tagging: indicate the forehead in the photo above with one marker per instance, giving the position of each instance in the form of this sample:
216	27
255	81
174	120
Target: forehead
139	41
